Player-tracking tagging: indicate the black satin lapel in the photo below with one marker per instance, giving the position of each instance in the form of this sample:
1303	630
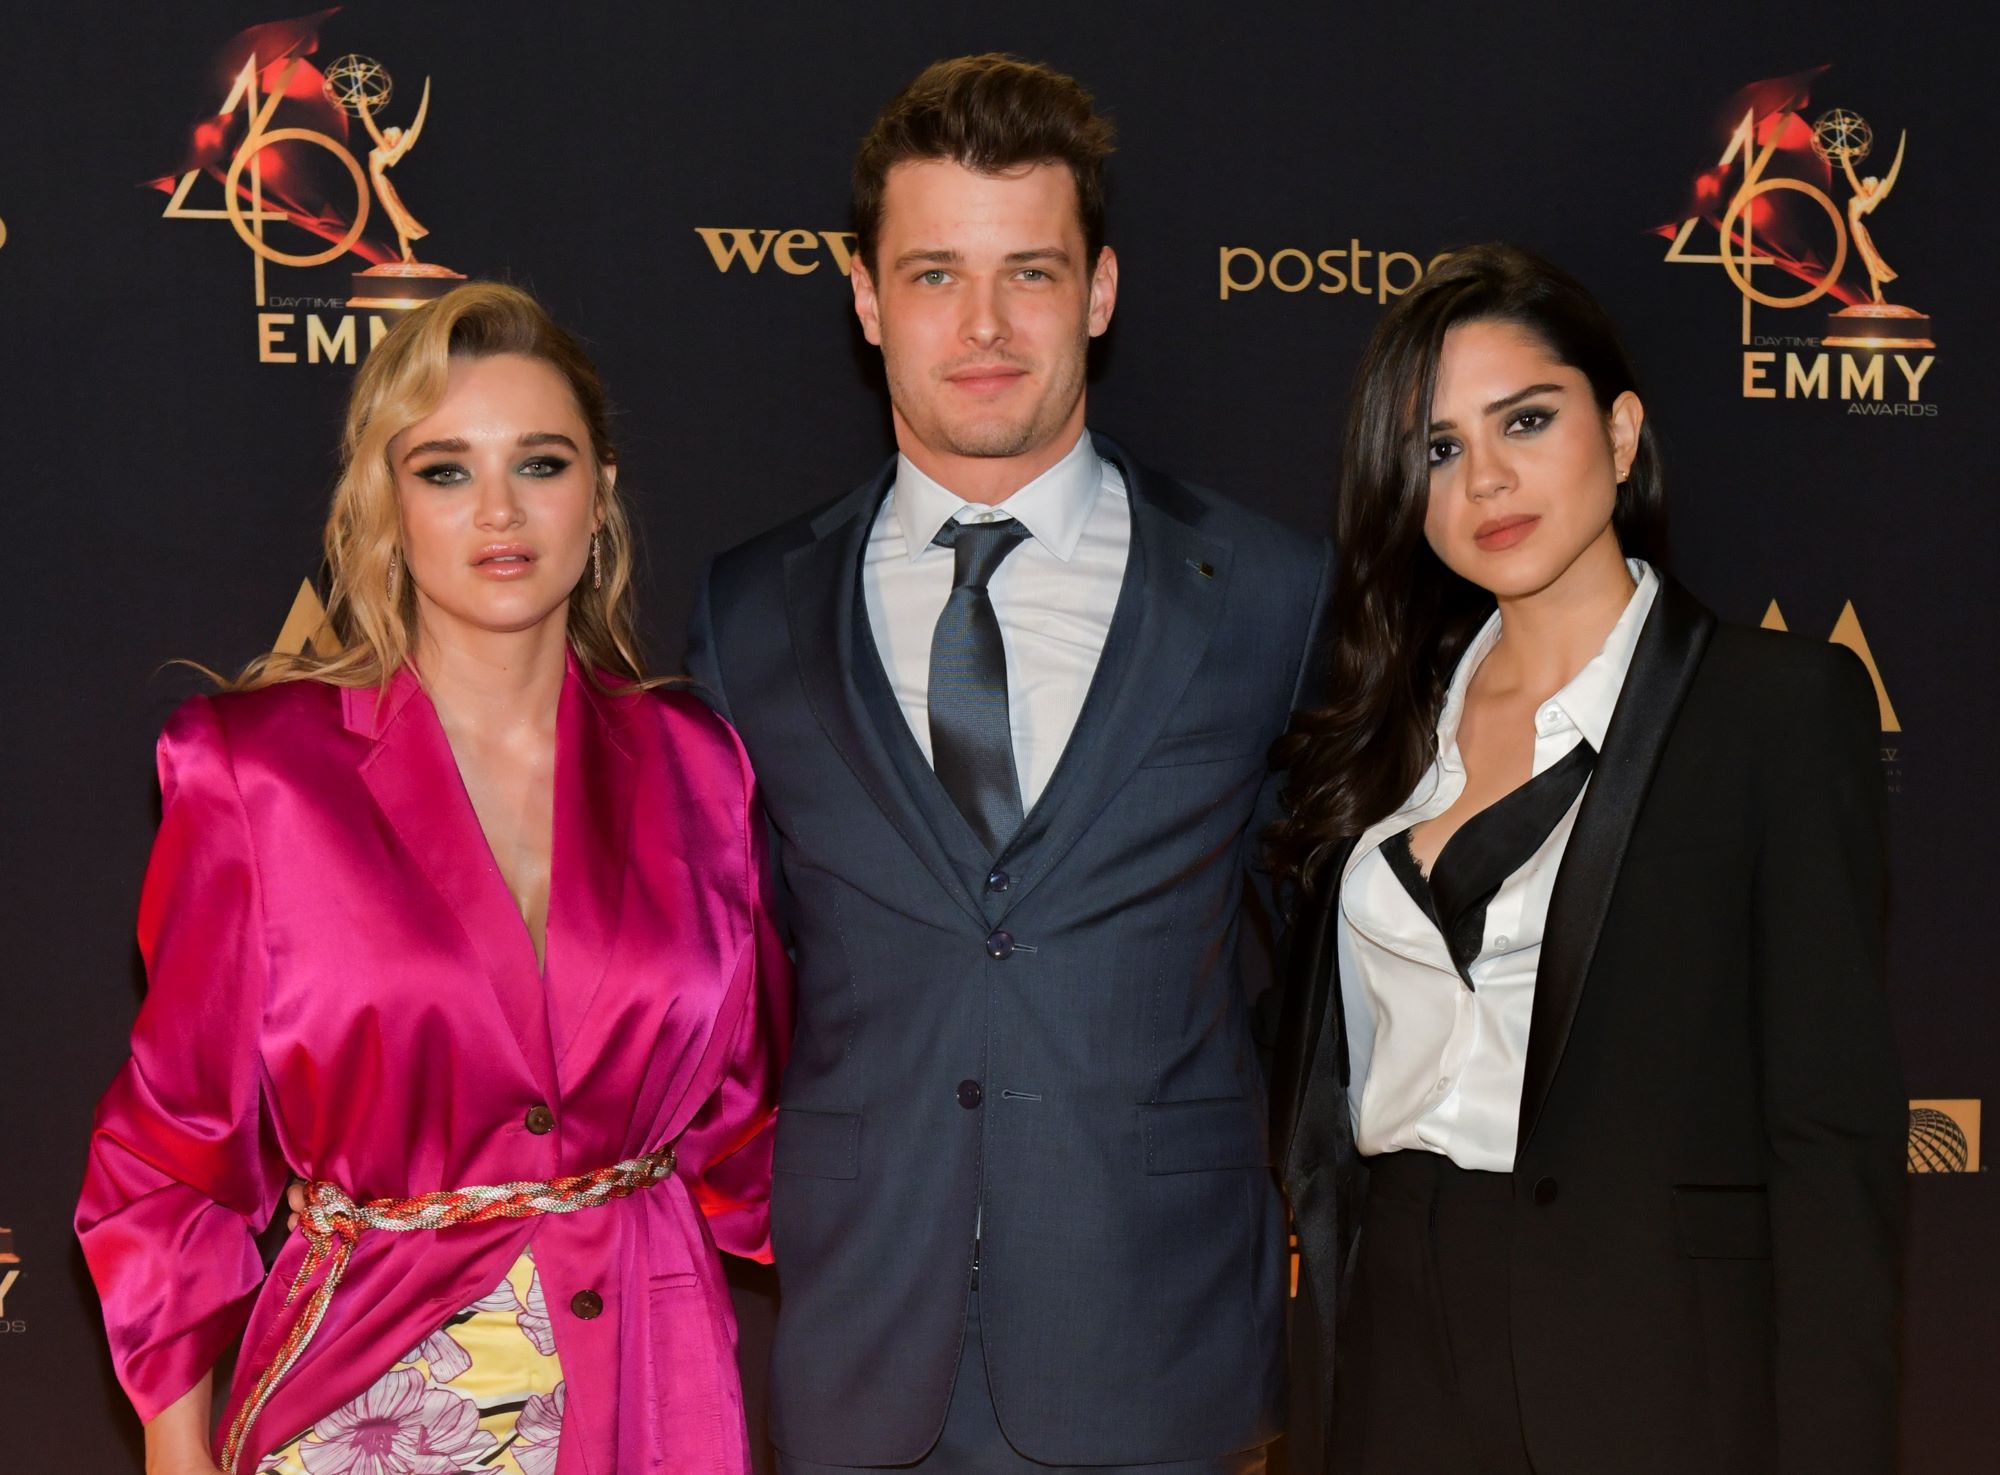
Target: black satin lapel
822	587
1663	667
1504	836
1176	583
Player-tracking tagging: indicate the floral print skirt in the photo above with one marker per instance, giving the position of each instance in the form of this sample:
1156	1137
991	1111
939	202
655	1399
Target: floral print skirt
484	1392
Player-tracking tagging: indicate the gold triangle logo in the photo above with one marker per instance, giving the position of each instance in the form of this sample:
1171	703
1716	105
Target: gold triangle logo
1847	632
307	625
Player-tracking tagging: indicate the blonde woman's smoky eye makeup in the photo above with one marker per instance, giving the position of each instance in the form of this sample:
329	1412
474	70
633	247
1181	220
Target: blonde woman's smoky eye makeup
442	473
544	466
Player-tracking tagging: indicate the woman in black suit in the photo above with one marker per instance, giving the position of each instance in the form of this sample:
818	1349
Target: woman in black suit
1587	1102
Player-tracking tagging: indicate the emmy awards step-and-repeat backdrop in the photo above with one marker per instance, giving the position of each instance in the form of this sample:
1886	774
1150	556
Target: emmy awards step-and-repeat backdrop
210	213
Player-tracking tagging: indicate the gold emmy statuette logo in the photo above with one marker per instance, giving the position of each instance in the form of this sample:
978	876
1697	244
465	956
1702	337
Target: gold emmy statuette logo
1944	1137
303	161
1780	220
361	86
1847	631
1844	138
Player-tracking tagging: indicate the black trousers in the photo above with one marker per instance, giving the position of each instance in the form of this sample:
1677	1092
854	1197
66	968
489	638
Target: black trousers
1424	1375
973	1444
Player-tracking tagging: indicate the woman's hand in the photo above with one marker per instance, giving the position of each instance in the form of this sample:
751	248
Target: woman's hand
177	1436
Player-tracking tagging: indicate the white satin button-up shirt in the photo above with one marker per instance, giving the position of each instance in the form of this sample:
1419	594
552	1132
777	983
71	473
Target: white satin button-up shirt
1435	1066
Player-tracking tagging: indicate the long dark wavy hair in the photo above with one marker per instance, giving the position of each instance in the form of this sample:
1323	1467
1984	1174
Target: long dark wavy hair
1401	619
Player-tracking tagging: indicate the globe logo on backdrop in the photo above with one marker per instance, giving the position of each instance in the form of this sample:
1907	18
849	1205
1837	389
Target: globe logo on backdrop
1840	134
356	81
1937	1143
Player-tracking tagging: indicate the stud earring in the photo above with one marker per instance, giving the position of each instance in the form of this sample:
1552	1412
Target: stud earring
596	564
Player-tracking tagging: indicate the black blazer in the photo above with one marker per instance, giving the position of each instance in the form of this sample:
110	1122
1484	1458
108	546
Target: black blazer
1708	1182
1056	1035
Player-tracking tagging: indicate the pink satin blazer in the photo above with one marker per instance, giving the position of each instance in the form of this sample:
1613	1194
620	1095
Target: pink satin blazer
341	987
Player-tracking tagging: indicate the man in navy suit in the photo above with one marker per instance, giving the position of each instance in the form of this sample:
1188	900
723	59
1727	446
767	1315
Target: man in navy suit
1010	702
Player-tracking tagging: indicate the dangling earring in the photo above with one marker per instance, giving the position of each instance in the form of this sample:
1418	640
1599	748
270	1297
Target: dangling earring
392	576
596	564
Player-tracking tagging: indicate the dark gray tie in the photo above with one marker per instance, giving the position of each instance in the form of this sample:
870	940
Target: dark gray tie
972	742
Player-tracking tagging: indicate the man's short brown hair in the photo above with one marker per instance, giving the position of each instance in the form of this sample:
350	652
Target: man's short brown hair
989	114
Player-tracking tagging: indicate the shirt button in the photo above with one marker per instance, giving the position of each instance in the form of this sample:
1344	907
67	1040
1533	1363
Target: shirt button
540	1120
1502	940
1000	945
1551	715
969	1094
984	517
586	1305
1545	1191
1443	1085
999	881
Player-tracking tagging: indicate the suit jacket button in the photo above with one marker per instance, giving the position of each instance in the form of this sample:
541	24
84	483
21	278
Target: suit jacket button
541	1121
1000	945
969	1094
999	881
586	1305
1545	1191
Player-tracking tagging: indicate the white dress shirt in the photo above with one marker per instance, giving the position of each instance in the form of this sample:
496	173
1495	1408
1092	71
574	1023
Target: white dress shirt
1053	596
1435	1066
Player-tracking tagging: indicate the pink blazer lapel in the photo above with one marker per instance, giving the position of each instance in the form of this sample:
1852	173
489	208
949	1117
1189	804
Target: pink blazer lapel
595	783
416	784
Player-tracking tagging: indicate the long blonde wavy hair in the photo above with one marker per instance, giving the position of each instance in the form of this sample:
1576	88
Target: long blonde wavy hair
373	615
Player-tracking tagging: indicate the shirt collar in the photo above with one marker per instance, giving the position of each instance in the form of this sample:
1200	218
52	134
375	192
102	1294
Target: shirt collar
1592	694
1589	697
1053	507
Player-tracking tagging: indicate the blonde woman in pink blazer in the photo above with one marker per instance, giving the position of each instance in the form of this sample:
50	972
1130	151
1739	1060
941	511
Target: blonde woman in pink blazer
465	927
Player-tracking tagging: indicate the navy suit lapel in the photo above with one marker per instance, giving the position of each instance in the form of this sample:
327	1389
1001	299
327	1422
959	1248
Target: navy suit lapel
1663	667
1176	583
822	602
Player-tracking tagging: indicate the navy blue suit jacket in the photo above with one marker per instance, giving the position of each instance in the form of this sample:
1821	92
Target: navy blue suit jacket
1056	1037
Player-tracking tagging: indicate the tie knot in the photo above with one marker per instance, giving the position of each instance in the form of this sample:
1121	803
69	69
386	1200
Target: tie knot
979	548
